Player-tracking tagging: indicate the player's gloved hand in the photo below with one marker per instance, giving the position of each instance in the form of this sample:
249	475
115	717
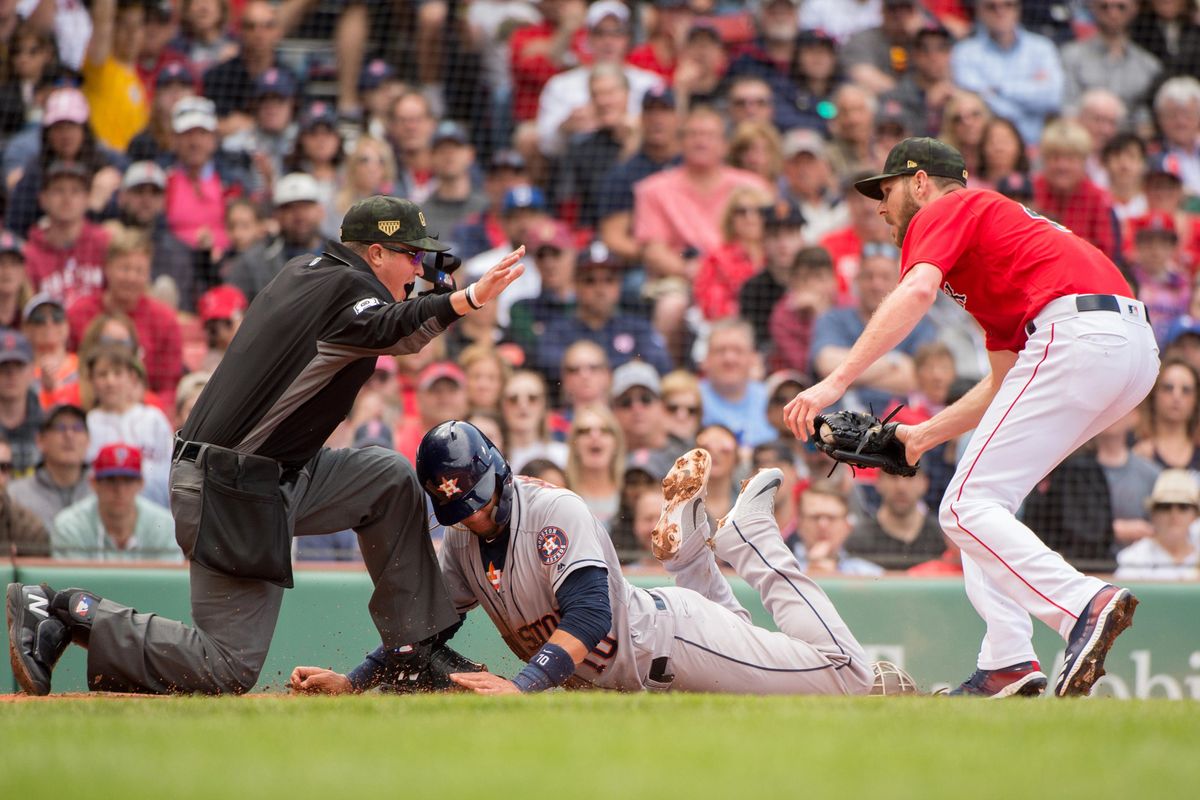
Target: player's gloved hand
862	440
318	680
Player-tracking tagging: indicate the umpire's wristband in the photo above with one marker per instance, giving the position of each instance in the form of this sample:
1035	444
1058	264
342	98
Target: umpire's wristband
548	668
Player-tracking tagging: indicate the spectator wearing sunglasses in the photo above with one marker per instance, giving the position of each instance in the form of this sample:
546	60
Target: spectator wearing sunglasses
1171	552
61	479
638	405
725	269
683	404
54	366
21	532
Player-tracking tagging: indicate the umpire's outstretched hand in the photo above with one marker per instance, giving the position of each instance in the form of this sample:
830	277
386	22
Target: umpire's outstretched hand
499	277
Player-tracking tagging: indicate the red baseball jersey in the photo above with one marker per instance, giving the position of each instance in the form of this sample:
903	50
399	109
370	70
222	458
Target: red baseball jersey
1002	262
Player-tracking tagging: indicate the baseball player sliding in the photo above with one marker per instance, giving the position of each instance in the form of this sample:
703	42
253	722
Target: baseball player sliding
545	572
1071	352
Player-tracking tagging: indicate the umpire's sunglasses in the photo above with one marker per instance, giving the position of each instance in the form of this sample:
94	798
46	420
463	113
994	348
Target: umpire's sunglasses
416	256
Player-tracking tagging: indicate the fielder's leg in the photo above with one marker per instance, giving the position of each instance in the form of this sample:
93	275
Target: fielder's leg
679	540
1074	378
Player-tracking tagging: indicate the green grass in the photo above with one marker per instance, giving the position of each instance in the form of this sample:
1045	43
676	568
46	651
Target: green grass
597	745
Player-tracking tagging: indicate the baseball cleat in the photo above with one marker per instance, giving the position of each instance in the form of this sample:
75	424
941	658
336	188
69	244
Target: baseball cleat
757	496
36	638
1020	680
1103	619
683	503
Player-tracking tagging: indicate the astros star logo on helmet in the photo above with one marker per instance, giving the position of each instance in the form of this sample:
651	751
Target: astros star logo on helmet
449	487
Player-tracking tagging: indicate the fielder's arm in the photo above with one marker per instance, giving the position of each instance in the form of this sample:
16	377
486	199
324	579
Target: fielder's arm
895	318
963	415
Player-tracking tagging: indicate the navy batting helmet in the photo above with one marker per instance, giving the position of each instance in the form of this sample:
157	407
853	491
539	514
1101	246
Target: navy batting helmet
461	470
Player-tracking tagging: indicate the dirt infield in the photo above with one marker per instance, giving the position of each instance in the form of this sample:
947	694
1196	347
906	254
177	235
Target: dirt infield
21	697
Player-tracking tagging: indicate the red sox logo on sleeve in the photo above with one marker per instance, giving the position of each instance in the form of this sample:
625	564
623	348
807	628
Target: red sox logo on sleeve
551	544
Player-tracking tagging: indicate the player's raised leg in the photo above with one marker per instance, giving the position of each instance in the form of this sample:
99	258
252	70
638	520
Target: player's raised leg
748	537
680	539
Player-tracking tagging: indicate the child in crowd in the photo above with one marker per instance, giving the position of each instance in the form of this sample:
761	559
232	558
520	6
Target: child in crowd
119	416
1158	274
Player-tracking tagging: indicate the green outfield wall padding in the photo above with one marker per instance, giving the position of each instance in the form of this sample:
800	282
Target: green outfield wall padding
926	625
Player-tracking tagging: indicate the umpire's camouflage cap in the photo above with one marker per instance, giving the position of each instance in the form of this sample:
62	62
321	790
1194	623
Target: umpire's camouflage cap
915	154
389	220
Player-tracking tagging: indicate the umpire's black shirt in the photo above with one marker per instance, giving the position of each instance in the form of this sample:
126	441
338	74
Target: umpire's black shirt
308	343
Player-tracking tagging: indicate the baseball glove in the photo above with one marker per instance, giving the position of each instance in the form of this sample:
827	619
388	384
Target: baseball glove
891	679
862	440
431	674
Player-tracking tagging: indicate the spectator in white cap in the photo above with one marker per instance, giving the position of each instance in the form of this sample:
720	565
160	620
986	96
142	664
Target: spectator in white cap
299	213
564	108
198	182
142	202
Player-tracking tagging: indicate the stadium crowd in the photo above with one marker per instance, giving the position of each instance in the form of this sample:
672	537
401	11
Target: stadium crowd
678	172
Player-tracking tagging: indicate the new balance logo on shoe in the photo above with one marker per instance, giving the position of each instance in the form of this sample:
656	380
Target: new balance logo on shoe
40	605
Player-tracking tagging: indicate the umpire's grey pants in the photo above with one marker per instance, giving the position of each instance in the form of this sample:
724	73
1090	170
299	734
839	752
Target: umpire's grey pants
372	490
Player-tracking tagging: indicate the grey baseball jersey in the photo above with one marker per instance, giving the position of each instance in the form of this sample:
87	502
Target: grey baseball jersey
697	624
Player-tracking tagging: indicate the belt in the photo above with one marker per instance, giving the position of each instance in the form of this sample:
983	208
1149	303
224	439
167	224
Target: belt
660	668
1089	302
186	451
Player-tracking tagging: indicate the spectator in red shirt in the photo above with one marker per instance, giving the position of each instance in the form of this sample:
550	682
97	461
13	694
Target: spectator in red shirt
810	294
659	53
1063	191
723	270
539	51
65	253
127	280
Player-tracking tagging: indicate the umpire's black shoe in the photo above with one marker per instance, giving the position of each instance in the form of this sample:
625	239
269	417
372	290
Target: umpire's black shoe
36	637
1108	614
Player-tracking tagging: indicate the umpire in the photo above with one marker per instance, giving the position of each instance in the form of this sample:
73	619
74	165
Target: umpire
250	471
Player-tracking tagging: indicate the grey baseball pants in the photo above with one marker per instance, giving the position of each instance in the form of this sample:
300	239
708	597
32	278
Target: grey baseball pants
372	490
